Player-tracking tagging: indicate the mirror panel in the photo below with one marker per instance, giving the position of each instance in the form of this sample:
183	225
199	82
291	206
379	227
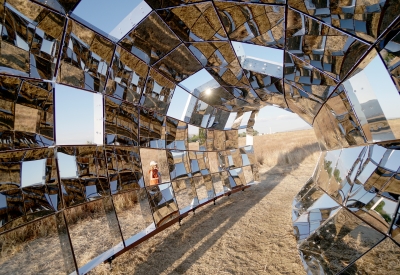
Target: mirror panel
248	175
343	231
85	124
185	193
311	212
155	165
122	18
31	40
179	64
181	165
158	93
94	231
162	203
323	47
373	96
127	76
218	184
131	216
85	60
29	248
266	23
176	134
387	247
150	48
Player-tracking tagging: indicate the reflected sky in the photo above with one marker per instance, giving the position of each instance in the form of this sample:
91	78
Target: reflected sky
260	59
198	79
349	156
375	100
67	166
79	116
33	172
116	18
323	202
176	107
231	119
383	87
245	119
391	160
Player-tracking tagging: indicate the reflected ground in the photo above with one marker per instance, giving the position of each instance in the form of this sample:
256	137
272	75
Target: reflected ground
246	233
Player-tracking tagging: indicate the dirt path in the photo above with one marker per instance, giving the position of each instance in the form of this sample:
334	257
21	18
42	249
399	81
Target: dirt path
247	233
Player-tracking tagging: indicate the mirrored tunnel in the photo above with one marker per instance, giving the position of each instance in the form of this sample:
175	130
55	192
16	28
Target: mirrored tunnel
117	120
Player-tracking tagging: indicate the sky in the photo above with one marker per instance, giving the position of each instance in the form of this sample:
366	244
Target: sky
67	164
107	15
33	172
383	87
77	117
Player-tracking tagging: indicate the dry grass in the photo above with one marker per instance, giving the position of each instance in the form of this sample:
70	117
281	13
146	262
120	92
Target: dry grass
36	249
94	234
285	148
395	126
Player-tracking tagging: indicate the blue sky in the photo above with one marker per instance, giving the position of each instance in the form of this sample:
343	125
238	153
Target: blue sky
271	54
383	87
105	14
74	110
33	172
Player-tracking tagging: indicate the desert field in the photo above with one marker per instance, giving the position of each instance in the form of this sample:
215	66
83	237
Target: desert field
248	232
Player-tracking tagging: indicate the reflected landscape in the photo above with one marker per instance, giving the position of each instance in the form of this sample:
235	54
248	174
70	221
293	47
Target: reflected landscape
113	131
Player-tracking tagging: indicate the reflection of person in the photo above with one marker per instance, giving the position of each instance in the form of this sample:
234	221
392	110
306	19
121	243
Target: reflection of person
155	176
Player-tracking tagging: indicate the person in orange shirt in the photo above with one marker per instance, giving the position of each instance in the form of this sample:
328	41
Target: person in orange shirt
154	174
155	179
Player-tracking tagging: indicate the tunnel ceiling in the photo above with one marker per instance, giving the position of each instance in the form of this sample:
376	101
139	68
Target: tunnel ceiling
230	57
166	73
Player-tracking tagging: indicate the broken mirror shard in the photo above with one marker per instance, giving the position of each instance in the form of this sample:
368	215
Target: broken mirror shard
114	129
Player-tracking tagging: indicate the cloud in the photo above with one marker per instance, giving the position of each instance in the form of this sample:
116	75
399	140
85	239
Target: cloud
265	119
288	117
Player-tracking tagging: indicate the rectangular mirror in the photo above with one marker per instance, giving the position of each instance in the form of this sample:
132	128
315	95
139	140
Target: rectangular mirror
127	76
176	134
94	231
31	42
85	124
86	57
155	166
342	231
162	203
185	193
181	165
158	93
131	218
374	98
27	249
238	176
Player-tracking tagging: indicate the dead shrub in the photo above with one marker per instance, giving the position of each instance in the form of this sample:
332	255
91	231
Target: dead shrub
260	159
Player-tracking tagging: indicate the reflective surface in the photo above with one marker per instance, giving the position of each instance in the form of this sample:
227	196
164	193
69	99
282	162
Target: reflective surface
116	122
343	213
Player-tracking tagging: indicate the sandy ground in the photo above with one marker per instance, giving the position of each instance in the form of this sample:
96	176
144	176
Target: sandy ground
247	233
